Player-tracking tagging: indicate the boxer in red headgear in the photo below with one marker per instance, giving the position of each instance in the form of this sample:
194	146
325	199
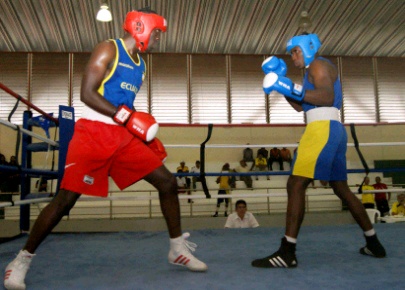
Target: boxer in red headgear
113	139
140	25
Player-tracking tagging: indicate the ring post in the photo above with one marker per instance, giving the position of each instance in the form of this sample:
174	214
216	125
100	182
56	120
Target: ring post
202	159
26	162
363	161
66	128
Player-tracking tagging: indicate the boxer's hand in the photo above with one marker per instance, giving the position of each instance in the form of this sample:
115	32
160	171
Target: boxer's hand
158	148
142	125
122	115
274	64
283	85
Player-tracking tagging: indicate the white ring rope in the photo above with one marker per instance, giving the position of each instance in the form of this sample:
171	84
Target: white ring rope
185	196
32	134
276	145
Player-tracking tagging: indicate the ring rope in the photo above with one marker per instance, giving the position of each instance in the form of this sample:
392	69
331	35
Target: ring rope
28	103
261	173
33	171
277	145
30	133
183	196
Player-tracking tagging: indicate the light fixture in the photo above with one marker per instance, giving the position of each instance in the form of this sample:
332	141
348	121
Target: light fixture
305	22
104	14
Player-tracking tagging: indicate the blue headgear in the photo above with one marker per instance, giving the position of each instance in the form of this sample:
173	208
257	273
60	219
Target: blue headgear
309	45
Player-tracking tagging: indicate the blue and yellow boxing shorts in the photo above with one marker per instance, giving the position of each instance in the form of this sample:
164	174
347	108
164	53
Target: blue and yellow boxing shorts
321	152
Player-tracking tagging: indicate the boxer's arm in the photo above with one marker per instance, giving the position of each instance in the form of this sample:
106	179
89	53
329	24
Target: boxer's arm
96	69
323	75
274	64
284	86
142	125
296	105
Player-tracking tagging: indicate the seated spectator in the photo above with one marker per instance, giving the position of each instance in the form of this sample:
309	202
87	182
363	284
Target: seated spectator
275	155
42	184
398	207
381	199
286	155
241	218
13	178
248	154
3	160
243	168
232	179
9	181
181	183
3	175
261	165
196	169
367	198
263	151
185	169
224	186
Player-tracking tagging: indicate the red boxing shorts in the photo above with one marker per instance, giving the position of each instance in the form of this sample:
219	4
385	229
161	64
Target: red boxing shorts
98	150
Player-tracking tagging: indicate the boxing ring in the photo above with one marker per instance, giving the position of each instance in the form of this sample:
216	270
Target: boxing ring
327	254
147	196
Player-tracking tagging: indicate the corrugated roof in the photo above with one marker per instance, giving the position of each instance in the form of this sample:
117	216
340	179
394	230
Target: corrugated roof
346	27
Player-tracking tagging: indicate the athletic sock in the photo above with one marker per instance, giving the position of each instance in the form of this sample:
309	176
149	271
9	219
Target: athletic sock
290	239
369	233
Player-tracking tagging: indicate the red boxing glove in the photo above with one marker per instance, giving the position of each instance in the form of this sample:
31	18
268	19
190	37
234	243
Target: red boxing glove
122	115
158	148
142	125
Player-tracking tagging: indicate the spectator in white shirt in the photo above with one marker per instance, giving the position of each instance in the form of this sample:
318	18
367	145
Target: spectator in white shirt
241	218
181	183
196	169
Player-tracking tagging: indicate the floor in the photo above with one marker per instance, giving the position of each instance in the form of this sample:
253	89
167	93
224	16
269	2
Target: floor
328	258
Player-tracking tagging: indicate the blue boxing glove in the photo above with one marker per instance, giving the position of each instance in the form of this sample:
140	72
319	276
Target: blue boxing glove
283	85
274	64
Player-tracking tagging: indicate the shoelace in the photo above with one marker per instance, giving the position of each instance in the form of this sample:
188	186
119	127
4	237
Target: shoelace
189	245
23	262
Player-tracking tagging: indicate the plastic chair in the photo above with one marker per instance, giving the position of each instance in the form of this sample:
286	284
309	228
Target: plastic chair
373	214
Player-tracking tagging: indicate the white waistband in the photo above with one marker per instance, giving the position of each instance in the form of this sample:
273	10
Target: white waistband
322	113
90	114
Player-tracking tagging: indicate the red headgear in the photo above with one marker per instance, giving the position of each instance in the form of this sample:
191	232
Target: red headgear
140	25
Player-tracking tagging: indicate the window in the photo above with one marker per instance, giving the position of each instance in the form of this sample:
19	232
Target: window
50	82
209	102
391	91
248	101
14	75
169	88
79	65
359	101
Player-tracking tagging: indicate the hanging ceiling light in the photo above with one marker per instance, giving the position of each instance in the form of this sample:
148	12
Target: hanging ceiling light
104	14
305	22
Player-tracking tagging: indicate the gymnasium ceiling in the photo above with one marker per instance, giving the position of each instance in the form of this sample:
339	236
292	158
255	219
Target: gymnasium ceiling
346	27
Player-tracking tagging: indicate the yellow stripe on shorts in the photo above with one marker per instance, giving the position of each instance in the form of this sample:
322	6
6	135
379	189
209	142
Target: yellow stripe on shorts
313	141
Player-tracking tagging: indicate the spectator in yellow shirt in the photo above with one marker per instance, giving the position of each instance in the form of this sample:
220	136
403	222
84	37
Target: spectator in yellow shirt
224	186
261	165
398	208
367	198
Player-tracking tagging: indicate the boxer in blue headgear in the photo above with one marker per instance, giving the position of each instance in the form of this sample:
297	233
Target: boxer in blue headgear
309	45
321	152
